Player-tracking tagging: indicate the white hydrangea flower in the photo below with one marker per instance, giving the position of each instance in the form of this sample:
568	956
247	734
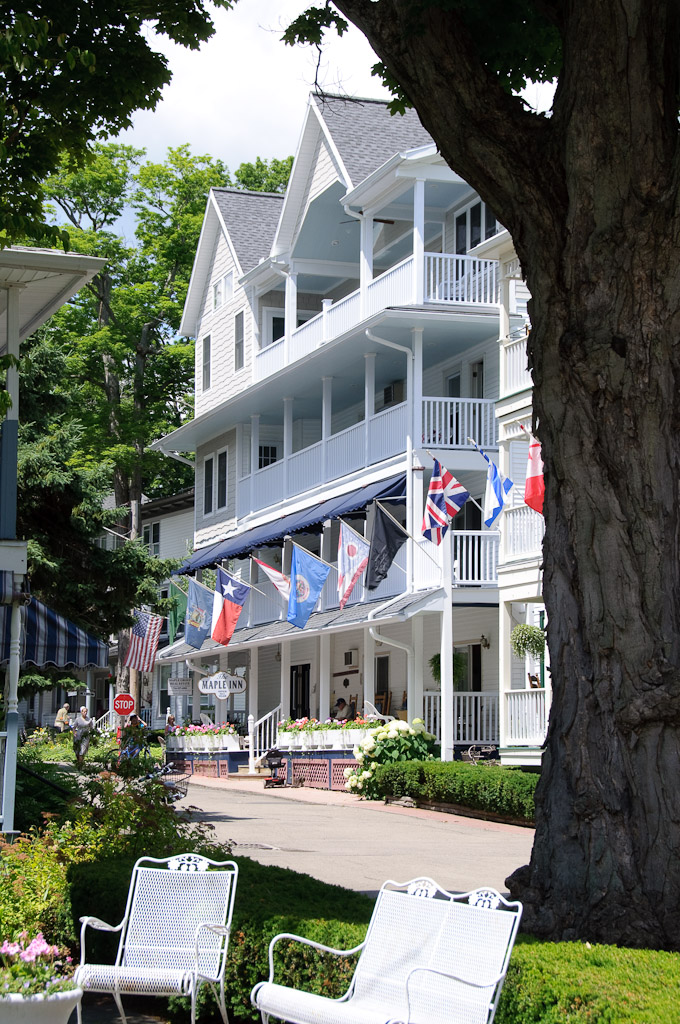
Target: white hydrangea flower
365	775
347	772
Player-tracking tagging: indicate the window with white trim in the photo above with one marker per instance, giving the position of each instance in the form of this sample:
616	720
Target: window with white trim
151	534
239	335
472	225
208	470
206	360
274	323
266	456
215	482
223	290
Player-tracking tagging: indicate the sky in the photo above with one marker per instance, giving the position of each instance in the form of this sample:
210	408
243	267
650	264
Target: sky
244	93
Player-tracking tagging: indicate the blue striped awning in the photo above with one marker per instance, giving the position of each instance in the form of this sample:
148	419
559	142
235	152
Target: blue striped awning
393	489
50	639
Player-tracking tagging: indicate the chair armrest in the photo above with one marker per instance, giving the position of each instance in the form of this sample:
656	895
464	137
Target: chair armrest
100	926
217	929
307	942
487	983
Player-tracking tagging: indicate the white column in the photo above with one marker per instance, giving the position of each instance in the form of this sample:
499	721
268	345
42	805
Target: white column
325	306
285	679
89	700
329	594
446	651
254	454
287	442
253	682
369	667
365	261
416	475
291	314
369	402
415	692
419	241
326	419
324	676
12	720
504	669
257	334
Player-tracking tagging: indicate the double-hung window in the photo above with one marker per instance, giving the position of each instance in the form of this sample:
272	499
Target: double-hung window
206	354
215	478
238	341
151	534
208	471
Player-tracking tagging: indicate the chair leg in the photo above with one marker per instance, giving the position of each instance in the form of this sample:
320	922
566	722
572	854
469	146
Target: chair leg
119	1004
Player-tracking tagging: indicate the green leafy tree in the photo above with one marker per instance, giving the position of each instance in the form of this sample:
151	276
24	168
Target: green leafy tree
71	73
264	175
590	197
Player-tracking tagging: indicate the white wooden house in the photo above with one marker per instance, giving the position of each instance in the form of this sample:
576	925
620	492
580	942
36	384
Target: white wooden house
343	332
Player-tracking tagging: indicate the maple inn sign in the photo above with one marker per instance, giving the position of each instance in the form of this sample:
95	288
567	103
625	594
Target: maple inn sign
222	685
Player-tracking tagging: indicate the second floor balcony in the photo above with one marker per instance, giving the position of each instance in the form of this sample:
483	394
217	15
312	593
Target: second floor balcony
439	279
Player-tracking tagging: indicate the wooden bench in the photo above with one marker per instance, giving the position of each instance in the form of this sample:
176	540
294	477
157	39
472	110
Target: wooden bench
174	935
429	957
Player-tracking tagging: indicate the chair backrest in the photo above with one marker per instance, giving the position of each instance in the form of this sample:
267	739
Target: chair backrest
417	924
167	901
206	719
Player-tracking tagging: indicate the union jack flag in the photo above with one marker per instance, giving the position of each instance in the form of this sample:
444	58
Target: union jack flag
445	498
144	641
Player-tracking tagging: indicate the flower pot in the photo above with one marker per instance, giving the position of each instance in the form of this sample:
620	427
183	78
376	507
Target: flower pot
54	1009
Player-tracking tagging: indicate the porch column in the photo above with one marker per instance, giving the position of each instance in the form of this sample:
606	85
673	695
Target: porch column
12	720
112	694
365	262
254	454
505	622
89	699
419	241
369	667
9	436
329	594
287	442
326	419
285	679
415	691
369	402
253	682
324	676
446	652
255	321
290	315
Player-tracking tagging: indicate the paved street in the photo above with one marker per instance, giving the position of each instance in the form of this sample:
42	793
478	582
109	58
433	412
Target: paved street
340	839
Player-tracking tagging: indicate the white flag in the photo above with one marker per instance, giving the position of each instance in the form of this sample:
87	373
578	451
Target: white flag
353	552
279	579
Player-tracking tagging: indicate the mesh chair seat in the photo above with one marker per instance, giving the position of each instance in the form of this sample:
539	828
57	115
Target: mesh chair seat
304	1007
141	981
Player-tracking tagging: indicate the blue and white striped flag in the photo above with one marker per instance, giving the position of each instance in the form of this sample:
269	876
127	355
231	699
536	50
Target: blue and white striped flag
497	489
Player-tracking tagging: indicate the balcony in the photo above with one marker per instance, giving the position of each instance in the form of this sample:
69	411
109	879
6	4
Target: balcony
515	376
448	280
446	423
523	532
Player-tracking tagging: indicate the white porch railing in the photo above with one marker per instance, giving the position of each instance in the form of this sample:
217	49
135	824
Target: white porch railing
475	717
475	557
449	422
261	737
305	470
460	279
343	449
449	280
387	433
514	376
523	530
527	716
106	722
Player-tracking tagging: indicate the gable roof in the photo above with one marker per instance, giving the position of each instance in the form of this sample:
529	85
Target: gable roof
251	219
366	135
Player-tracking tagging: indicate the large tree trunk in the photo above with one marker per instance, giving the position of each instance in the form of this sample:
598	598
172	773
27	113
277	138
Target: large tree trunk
591	199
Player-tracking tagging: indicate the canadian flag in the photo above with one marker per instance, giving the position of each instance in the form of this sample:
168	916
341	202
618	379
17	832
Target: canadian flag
534	488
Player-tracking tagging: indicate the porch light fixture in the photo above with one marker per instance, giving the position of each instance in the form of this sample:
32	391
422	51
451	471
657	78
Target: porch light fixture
484	642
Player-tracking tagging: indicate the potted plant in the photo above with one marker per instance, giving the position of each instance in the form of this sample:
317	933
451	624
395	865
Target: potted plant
529	640
35	982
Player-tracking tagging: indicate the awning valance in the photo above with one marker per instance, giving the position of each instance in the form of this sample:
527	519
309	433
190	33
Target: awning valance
393	489
50	639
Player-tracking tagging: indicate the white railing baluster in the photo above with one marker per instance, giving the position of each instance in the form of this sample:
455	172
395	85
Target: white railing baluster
262	736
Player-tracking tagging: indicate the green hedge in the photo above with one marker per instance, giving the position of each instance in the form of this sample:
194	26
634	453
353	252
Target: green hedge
548	983
483	787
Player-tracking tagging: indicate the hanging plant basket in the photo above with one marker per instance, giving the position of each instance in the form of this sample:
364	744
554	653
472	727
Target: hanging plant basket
527	640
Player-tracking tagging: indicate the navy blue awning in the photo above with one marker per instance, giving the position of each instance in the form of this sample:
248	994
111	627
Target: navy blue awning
50	639
393	489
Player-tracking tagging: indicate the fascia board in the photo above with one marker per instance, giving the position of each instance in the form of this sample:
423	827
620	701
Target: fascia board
212	223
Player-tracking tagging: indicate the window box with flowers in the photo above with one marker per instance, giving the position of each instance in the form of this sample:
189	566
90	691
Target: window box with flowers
35	982
311	734
202	738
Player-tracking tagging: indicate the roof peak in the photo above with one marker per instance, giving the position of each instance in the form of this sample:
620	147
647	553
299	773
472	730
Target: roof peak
350	99
247	192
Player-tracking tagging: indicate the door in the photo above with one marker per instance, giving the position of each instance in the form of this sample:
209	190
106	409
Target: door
299	691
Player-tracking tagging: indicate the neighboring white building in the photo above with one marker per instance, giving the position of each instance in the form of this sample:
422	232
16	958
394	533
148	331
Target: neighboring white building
344	332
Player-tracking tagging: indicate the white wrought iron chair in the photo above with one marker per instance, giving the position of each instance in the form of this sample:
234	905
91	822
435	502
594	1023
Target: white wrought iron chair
429	957
371	712
174	935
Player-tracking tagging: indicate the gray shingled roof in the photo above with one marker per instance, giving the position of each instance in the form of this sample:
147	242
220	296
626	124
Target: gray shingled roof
367	135
251	219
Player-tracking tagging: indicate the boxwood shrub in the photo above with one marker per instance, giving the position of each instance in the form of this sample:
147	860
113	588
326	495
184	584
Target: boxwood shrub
505	791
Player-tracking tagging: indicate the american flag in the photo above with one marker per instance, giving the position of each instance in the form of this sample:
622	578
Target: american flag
445	498
144	641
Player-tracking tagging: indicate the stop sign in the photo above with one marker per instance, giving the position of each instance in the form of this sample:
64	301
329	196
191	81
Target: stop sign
123	704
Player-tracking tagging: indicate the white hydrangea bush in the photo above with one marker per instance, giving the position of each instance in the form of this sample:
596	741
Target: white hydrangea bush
386	744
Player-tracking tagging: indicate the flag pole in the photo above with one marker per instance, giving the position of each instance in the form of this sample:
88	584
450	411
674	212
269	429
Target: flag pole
318	558
184	592
422	547
435	459
446	650
242	583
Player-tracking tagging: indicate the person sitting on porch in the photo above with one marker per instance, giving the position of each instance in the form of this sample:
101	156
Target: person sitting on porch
343	712
82	727
62	720
170	725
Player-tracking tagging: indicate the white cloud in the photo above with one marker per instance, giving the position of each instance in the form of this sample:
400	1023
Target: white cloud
243	93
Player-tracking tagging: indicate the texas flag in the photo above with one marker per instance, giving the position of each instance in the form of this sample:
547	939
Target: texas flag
228	600
534	488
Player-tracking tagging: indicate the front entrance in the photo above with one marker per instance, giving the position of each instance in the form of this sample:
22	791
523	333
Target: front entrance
299	691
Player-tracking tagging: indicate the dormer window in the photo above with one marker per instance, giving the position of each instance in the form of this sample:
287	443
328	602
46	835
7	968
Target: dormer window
223	290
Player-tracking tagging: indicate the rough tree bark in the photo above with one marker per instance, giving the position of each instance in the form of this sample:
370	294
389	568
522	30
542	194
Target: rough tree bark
590	197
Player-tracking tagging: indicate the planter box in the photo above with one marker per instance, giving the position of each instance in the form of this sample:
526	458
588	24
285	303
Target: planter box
55	1009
